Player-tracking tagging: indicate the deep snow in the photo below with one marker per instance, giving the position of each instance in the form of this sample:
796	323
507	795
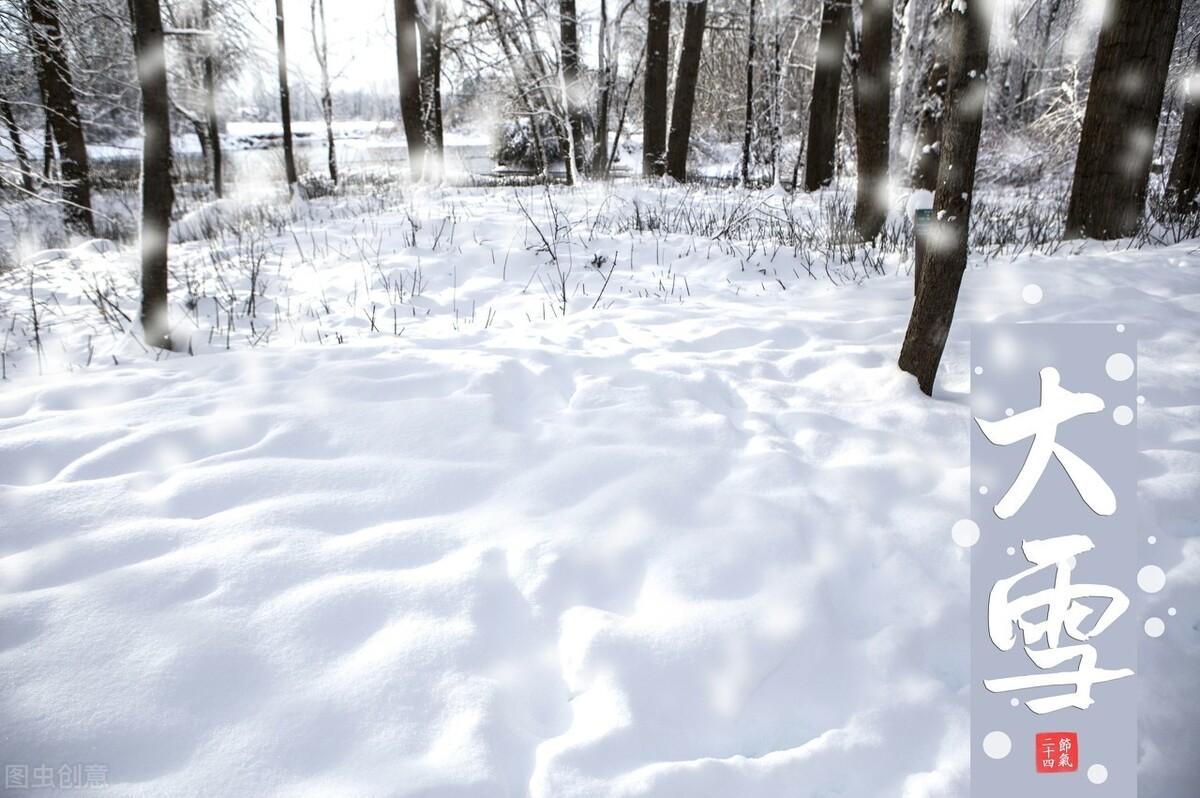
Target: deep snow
694	541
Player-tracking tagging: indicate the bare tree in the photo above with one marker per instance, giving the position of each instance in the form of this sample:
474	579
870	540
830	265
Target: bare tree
62	112
429	27
572	85
748	127
408	60
605	76
157	193
946	257
684	102
14	135
827	80
654	114
321	47
1184	182
926	157
210	102
873	82
1116	146
285	98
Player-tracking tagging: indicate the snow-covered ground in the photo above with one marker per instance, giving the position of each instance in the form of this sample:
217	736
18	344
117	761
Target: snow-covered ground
430	528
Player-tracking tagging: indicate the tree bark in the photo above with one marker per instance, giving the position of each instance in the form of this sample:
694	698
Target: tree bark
946	254
62	111
603	98
429	26
1116	145
823	109
157	193
572	88
684	103
14	134
210	106
321	48
285	98
407	60
873	117
1184	182
925	157
654	116
748	125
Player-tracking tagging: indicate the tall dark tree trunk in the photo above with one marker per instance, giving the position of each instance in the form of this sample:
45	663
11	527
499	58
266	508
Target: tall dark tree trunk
1116	145
748	127
569	48
827	82
157	193
603	97
407	61
654	116
946	256
321	47
429	26
285	98
685	89
47	148
62	110
1183	184
210	106
873	117
926	157
14	134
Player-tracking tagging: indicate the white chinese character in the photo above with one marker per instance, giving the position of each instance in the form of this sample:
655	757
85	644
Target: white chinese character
1063	613
16	777
96	775
1057	405
43	776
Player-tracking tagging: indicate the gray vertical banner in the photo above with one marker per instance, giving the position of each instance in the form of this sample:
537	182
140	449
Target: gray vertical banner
1054	568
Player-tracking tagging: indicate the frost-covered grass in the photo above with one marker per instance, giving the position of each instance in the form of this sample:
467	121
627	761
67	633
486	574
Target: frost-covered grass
515	492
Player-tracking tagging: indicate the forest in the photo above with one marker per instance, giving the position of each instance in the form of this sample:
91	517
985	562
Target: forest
564	397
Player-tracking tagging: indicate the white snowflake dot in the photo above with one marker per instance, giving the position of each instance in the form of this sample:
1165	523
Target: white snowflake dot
979	369
1032	294
997	744
1151	579
1123	415
965	532
1152	540
1097	774
1119	367
1155	627
1120	328
1171	611
983	490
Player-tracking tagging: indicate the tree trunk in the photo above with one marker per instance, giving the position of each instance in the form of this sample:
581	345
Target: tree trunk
823	110
1116	145
1184	182
685	89
47	148
946	256
62	110
285	99
572	88
321	47
603	98
873	117
157	193
407	60
926	157
429	26
654	116
14	134
210	107
748	126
